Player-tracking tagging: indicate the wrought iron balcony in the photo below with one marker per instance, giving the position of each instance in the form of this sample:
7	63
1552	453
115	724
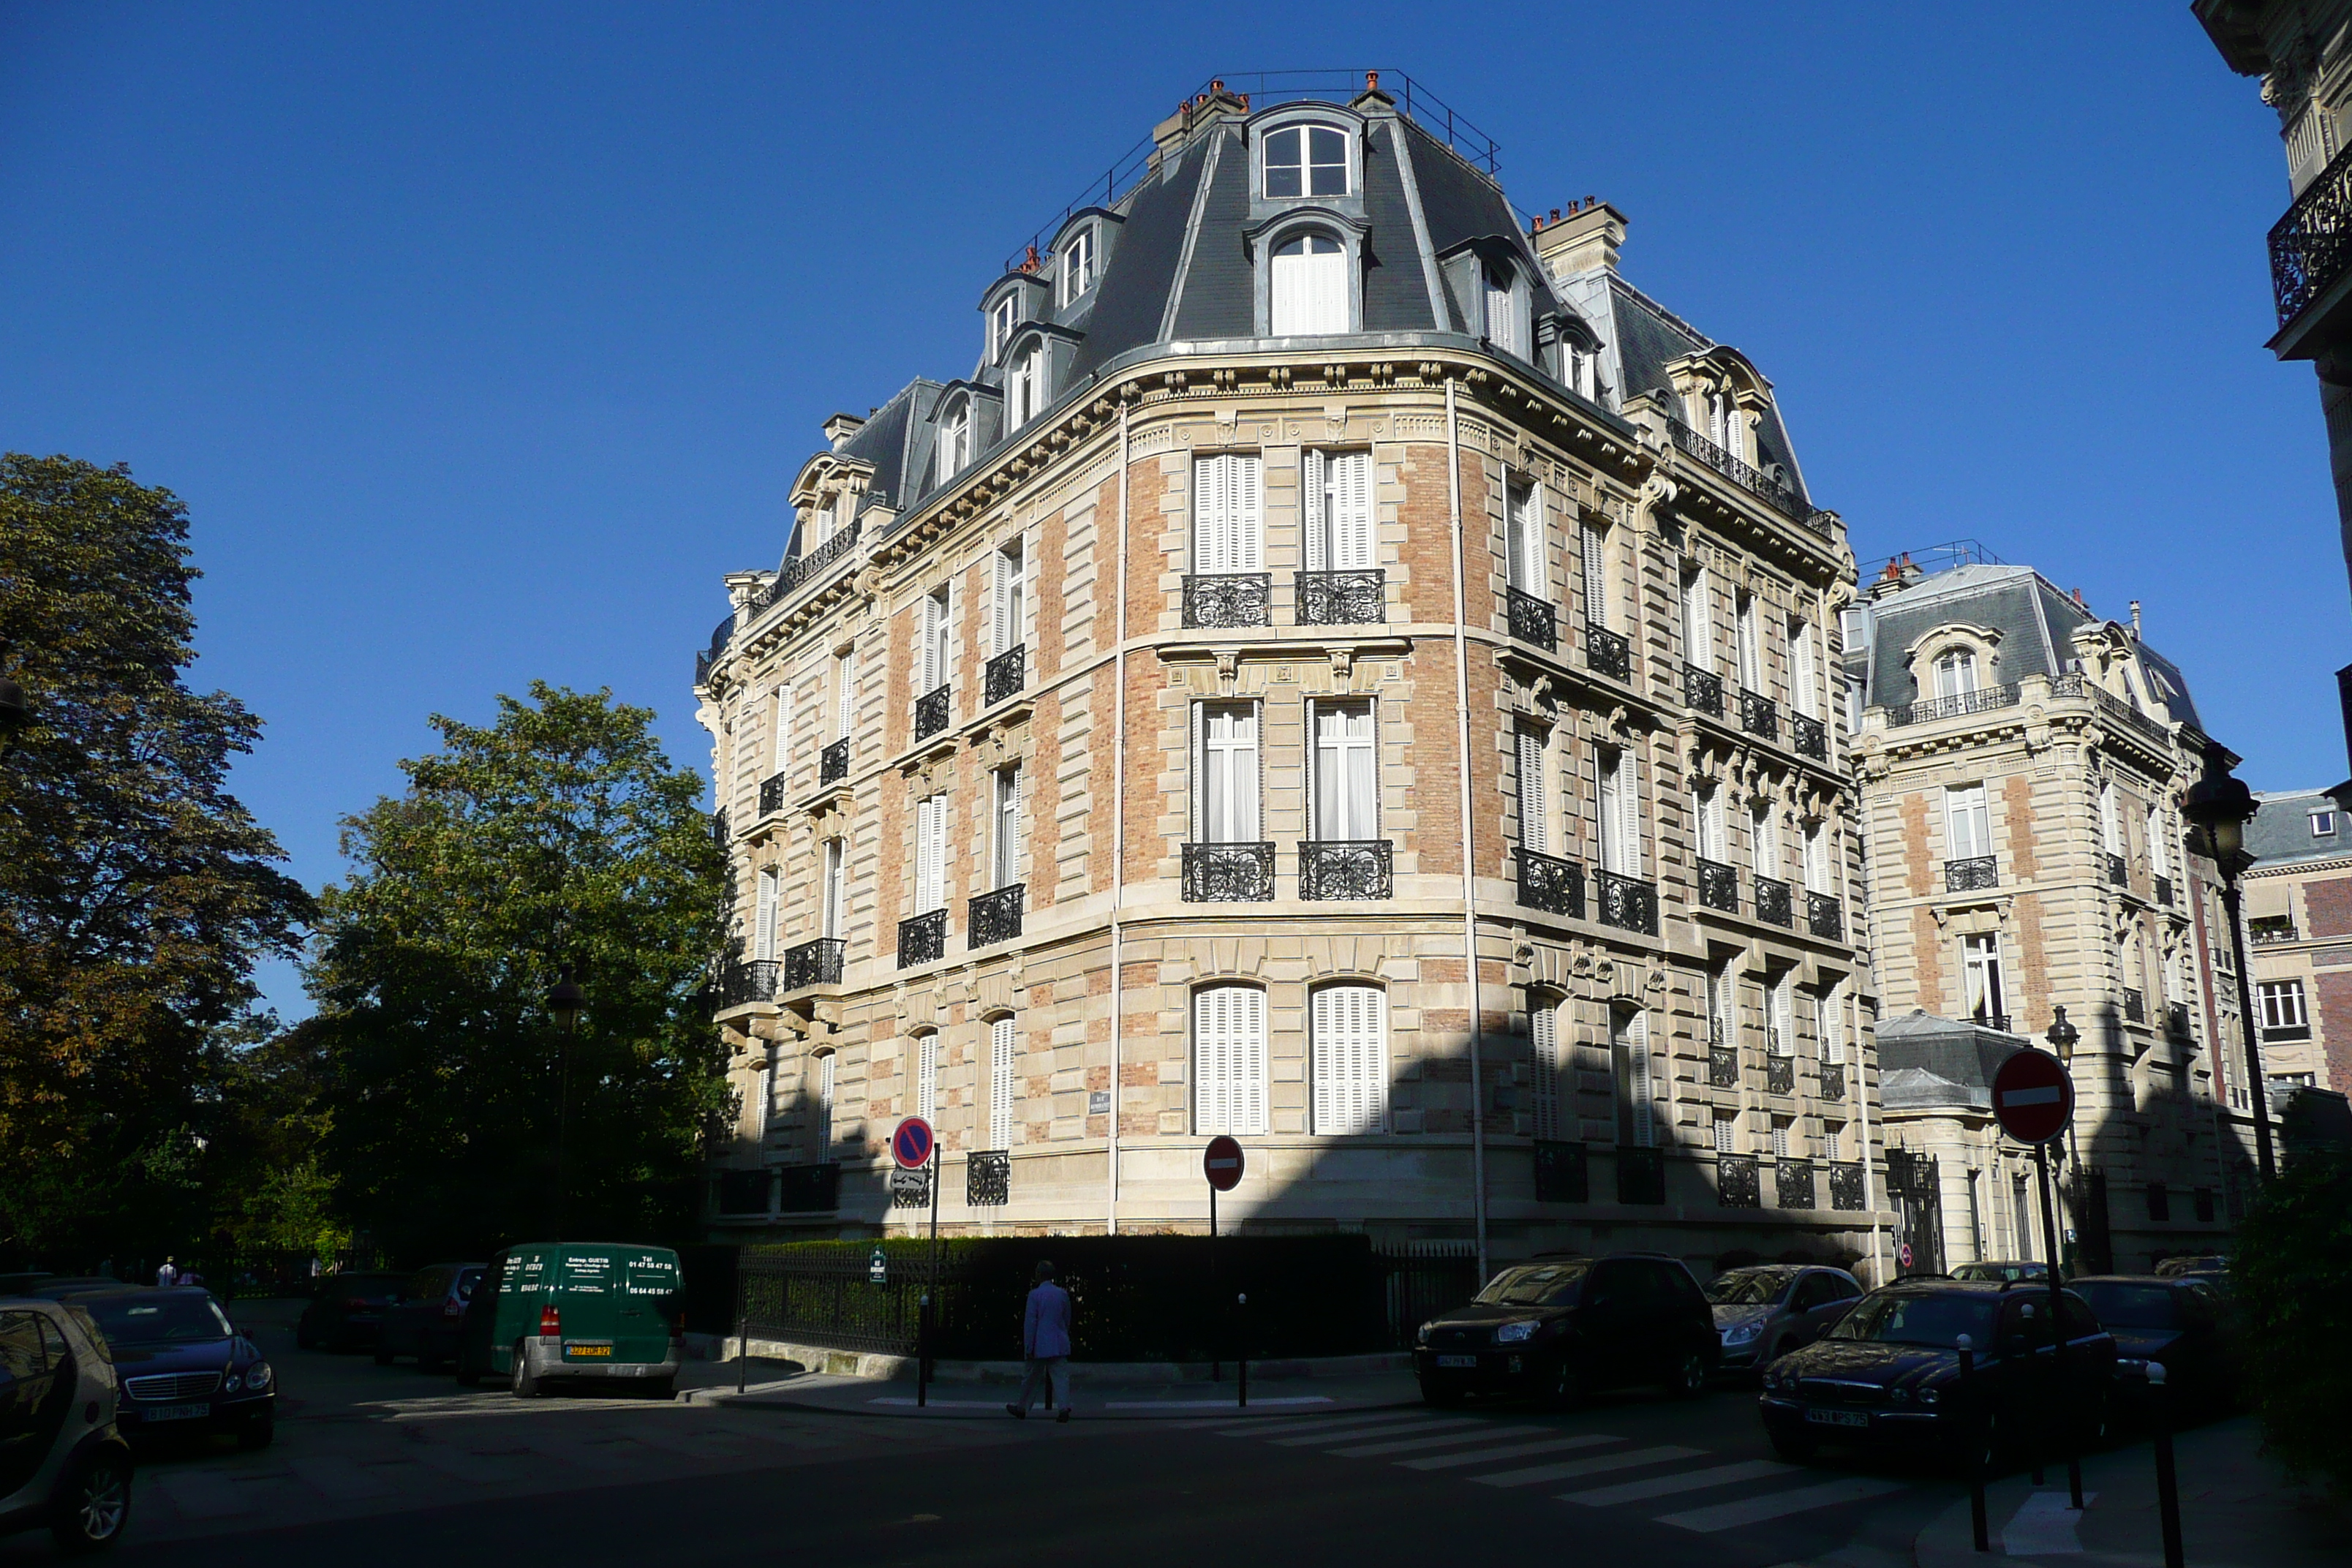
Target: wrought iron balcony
1972	875
1773	902
1228	873
2164	891
2312	245
988	1178
1606	653
816	962
1832	1080
2176	1020
1781	1074
1723	1067
772	794
1977	701
923	940
1550	884
1845	1187
995	917
743	981
1718	886
1702	690
2118	873
1810	736
1229	599
1825	917
1340	598
1759	714
1345	869
706	659
1628	902
1005	675
1736	1183
1532	619
1793	1184
808	1189
1562	1172
1641	1175
743	1194
1754	481
833	762
2272	929
2134	1006
806	568
931	712
1984	1020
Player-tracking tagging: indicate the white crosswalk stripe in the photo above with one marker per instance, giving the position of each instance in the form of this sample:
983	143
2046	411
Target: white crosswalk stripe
1536	1475
1686	1482
1777	1505
1394	1429
1444	1440
1340	1424
1508	1451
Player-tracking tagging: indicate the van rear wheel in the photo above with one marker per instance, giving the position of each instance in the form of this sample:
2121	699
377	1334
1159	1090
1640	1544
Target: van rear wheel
524	1384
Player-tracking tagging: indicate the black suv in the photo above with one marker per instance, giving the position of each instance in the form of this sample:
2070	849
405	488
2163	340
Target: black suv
1558	1326
1889	1373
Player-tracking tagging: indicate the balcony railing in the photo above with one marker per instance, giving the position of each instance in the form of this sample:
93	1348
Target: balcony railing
1975	874
772	794
1984	1020
1641	1175
814	962
1845	1187
931	712
923	940
1736	1184
2261	932
2134	1006
1754	481
1702	690
1781	1075
2118	873
1005	675
1759	714
1723	1067
1229	599
1952	707
1550	884
1345	869
747	980
1718	886
1606	653
1792	1184
833	762
2164	891
706	658
1772	904
2312	244
1340	598
1532	619
1228	873
1563	1174
1825	917
808	1189
1832	1080
2176	1020
995	917
1810	736
805	568
1628	902
988	1178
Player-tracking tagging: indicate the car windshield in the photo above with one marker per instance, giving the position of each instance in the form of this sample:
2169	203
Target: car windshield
163	1317
363	1286
1906	1319
1535	1284
1750	1287
2121	1306
1998	1271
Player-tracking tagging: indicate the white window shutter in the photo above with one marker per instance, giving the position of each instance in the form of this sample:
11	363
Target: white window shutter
927	1077
845	698
1352	537
1196	769
1535	814
1804	675
1698	627
931	853
763	936
1249	514
1637	1051
824	1102
1003	634
1596	581
1350	1027
1002	1034
1784	1019
1252	1109
1315	506
1543	1066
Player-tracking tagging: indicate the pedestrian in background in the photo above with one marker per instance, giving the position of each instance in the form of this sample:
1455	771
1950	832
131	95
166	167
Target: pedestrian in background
169	1274
1046	1345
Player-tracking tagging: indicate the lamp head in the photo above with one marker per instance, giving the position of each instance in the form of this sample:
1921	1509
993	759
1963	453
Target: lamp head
2219	804
564	1001
14	711
2063	1034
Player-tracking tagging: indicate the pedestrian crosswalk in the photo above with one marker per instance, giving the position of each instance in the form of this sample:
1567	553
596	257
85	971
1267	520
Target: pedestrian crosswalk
1475	1448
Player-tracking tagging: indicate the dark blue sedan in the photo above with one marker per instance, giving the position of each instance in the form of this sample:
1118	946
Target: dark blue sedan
184	1368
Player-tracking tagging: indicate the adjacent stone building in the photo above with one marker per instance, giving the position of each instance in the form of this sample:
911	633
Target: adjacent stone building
1343	667
2299	927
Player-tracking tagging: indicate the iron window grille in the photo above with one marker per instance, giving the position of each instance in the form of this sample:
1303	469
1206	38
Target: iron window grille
1781	1075
912	1190
1005	675
1973	875
1811	736
1703	690
744	981
1825	917
833	762
1628	902
1532	619
923	940
1718	886
1607	653
1832	1080
2134	1006
809	1189
1562	1175
1641	1175
2118	873
1229	599
1759	714
2164	891
1773	902
1228	873
1723	1067
814	962
1358	599
931	712
995	917
1736	1181
988	1178
1793	1182
1345	869
1845	1187
1550	884
772	794
1983	700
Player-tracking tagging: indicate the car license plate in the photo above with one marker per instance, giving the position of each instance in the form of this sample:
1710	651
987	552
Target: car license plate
1457	1360
587	1350
175	1413
1838	1417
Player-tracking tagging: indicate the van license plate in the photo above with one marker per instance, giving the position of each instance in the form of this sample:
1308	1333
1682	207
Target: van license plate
1457	1360
175	1413
1837	1417
587	1350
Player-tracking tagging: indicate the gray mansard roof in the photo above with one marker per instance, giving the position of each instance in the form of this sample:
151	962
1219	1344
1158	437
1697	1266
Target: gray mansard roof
2282	829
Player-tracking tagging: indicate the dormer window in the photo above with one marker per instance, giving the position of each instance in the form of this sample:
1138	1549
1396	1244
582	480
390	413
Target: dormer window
1724	424
1001	320
1077	265
1956	673
2322	825
1308	286
1306	161
1024	386
1502	310
955	440
1580	369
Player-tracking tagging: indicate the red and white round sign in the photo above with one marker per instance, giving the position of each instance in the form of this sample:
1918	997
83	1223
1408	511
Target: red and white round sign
2032	1097
1221	1163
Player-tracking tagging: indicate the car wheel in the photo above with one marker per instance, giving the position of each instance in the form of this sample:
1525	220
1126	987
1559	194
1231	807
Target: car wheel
1442	1396
95	1506
524	1383
256	1436
1794	1447
1690	1377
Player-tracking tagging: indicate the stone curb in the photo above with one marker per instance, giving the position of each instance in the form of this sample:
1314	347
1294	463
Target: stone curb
1126	1375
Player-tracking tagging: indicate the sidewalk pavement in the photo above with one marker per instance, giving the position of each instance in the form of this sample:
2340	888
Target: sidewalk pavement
2238	1510
785	1385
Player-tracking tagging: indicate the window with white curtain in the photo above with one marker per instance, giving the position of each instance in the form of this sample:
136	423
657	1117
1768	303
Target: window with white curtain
1005	847
1980	967
1535	805
1805	670
1544	1068
1522	539
1350	1029
1713	833
1629	1053
936	626
1338	487
1079	264
1306	161
1306	286
1620	808
835	894
930	853
763	920
1956	673
1229	1092
927	1077
824	1102
1228	514
1596	577
1003	1034
1225	764
1502	310
1967	824
1698	621
1012	584
1345	782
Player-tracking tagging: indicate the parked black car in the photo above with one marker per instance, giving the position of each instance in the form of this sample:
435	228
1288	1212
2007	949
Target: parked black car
2004	1268
424	1322
1889	1374
347	1313
1764	1312
2181	1323
184	1369
1560	1327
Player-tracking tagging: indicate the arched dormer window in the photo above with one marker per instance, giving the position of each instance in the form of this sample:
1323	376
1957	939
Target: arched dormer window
1002	317
1502	310
1079	264
1580	360
1308	288
1956	672
1305	160
955	439
1024	384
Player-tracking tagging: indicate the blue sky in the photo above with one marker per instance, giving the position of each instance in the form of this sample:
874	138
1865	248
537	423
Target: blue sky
482	341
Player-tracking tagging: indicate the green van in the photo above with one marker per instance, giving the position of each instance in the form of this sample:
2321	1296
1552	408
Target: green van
587	1309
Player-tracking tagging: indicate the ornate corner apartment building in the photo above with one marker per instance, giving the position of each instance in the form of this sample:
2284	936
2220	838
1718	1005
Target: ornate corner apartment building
2021	764
1343	669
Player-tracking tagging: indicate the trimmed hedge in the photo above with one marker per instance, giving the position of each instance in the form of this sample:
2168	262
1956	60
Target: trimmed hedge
2293	1274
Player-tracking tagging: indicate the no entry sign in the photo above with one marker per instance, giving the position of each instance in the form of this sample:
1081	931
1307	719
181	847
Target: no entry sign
911	1145
2032	1097
1222	1162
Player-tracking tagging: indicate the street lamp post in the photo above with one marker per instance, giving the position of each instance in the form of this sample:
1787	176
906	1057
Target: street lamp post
563	1003
14	713
2220	804
2062	1037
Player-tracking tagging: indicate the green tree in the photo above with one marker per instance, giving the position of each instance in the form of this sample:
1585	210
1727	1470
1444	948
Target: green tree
559	836
2293	1278
135	892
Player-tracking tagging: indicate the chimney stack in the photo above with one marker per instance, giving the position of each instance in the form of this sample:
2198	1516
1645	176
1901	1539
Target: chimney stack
1586	241
2134	604
841	427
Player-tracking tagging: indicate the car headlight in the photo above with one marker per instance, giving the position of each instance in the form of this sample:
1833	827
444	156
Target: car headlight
230	1384
1742	1333
1929	1396
1515	1334
1779	1378
257	1376
1421	1335
2132	1365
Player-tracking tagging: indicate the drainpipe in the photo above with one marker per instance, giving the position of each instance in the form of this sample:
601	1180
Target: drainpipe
1469	867
1117	834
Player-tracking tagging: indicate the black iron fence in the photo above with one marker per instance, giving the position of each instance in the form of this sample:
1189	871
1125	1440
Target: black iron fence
1718	886
1810	738
1628	902
1005	675
1702	690
2312	244
1972	875
1773	902
814	962
1825	917
923	940
995	917
931	712
1759	714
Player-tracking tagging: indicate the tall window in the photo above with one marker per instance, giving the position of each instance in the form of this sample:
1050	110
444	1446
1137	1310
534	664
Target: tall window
1956	673
2160	864
1308	285
1228	514
1714	834
1000	321
1821	872
1596	577
1629	1054
1502	312
824	1102
844	693
1750	648
1229	1059
1025	387
1523	540
1350	1024
1723	422
1078	265
1580	369
1981	964
1006	849
1833	1141
955	440
1783	1137
935	623
2111	825
1831	1025
837	878
1698	625
1545	1068
1004	1034
1224	750
927	1077
1781	1038
1306	161
1621	814
1726	1132
931	853
763	927
1764	841
1010	585
780	719
1804	673
1722	1015
1968	827
2283	1011
1347	791
1535	807
1338	487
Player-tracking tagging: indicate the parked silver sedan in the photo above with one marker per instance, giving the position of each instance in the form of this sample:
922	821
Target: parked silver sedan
1763	1312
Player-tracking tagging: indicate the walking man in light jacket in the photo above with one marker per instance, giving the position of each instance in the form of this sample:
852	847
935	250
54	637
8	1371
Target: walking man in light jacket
1045	1346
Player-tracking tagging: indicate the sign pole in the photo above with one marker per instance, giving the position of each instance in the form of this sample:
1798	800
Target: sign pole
1216	1362
2057	1326
1220	1163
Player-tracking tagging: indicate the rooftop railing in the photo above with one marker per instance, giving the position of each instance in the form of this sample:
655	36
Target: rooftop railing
1954	706
1749	477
